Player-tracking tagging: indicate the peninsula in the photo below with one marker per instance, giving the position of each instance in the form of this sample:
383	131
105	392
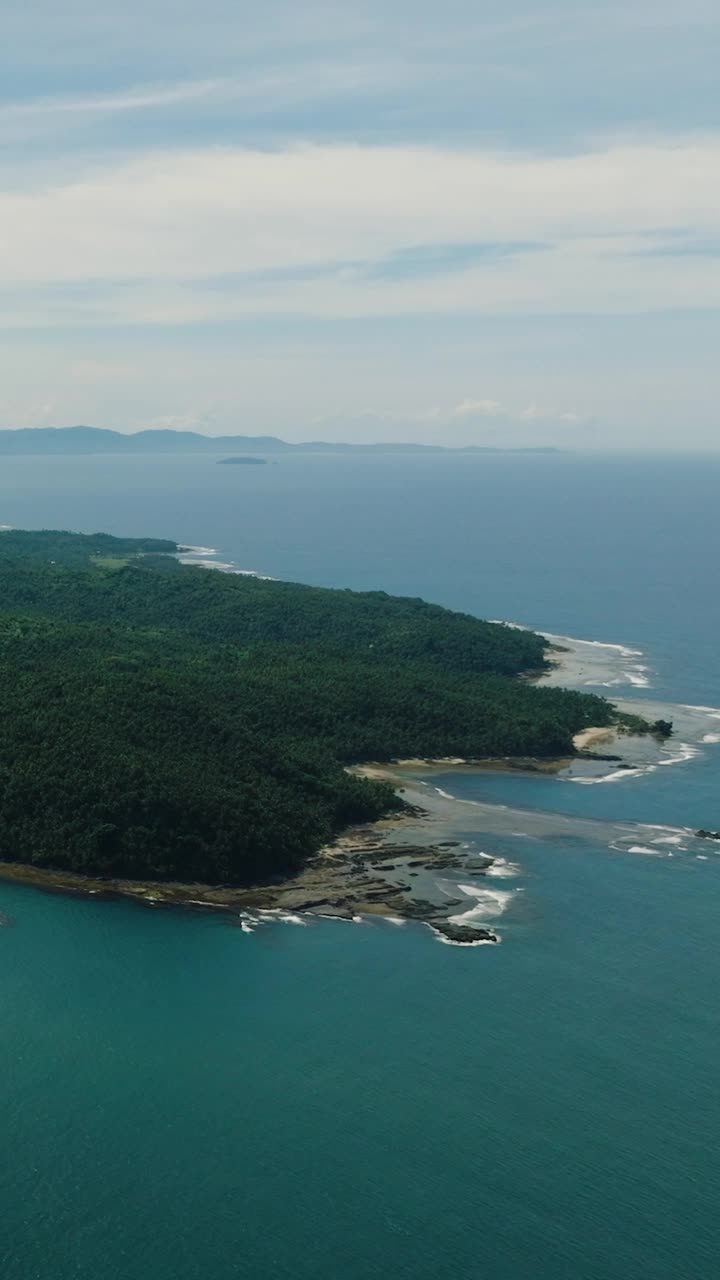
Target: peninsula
166	724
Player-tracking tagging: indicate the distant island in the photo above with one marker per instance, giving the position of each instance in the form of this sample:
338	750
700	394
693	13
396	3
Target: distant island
97	440
242	461
161	723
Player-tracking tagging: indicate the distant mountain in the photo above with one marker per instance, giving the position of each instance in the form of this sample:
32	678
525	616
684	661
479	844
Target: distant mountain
85	440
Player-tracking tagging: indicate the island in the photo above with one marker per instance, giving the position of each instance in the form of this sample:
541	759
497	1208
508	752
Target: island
167	726
247	460
80	440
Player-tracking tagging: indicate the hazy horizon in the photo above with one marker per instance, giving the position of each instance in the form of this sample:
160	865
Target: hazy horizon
539	446
466	225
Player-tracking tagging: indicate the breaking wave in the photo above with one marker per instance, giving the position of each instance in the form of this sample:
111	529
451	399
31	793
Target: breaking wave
685	751
489	904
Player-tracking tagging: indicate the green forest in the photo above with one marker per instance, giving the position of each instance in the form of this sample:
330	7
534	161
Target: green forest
167	722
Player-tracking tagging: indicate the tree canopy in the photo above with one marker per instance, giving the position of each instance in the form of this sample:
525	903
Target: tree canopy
179	723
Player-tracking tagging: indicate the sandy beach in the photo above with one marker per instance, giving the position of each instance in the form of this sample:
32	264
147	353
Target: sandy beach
592	737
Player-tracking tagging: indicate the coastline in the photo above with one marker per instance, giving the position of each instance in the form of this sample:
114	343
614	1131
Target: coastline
490	764
388	868
366	872
383	869
591	737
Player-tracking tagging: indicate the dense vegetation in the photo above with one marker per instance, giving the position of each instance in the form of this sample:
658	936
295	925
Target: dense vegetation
195	725
78	550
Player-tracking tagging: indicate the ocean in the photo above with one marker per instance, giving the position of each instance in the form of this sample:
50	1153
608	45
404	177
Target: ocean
186	1101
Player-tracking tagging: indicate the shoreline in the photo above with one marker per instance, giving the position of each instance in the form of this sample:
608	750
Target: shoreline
386	869
591	737
365	873
388	772
382	869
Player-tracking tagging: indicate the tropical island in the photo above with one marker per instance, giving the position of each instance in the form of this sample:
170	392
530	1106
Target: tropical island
166	724
243	460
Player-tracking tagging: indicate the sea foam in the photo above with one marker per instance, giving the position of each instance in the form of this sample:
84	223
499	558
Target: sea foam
617	776
501	869
685	751
477	942
489	904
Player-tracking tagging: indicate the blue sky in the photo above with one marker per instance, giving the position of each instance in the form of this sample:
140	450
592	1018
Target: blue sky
465	222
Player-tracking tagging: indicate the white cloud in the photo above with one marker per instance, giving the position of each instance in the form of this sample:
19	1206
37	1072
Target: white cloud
482	411
535	414
139	99
252	94
472	417
290	232
162	174
479	409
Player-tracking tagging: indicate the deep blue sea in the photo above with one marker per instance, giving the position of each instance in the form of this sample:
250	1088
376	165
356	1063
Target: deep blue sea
182	1101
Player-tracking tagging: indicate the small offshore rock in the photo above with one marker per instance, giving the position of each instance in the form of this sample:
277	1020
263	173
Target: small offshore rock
463	933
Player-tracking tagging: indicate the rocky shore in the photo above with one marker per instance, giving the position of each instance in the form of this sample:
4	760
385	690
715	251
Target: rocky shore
388	868
360	876
385	869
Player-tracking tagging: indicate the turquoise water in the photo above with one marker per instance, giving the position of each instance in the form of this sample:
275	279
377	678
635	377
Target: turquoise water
183	1100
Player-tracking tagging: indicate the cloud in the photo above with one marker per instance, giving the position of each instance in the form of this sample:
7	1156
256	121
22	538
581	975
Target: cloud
306	230
479	409
535	414
284	205
492	410
410	70
250	94
473	415
137	99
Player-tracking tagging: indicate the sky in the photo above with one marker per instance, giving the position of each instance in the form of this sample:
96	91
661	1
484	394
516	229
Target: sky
459	223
